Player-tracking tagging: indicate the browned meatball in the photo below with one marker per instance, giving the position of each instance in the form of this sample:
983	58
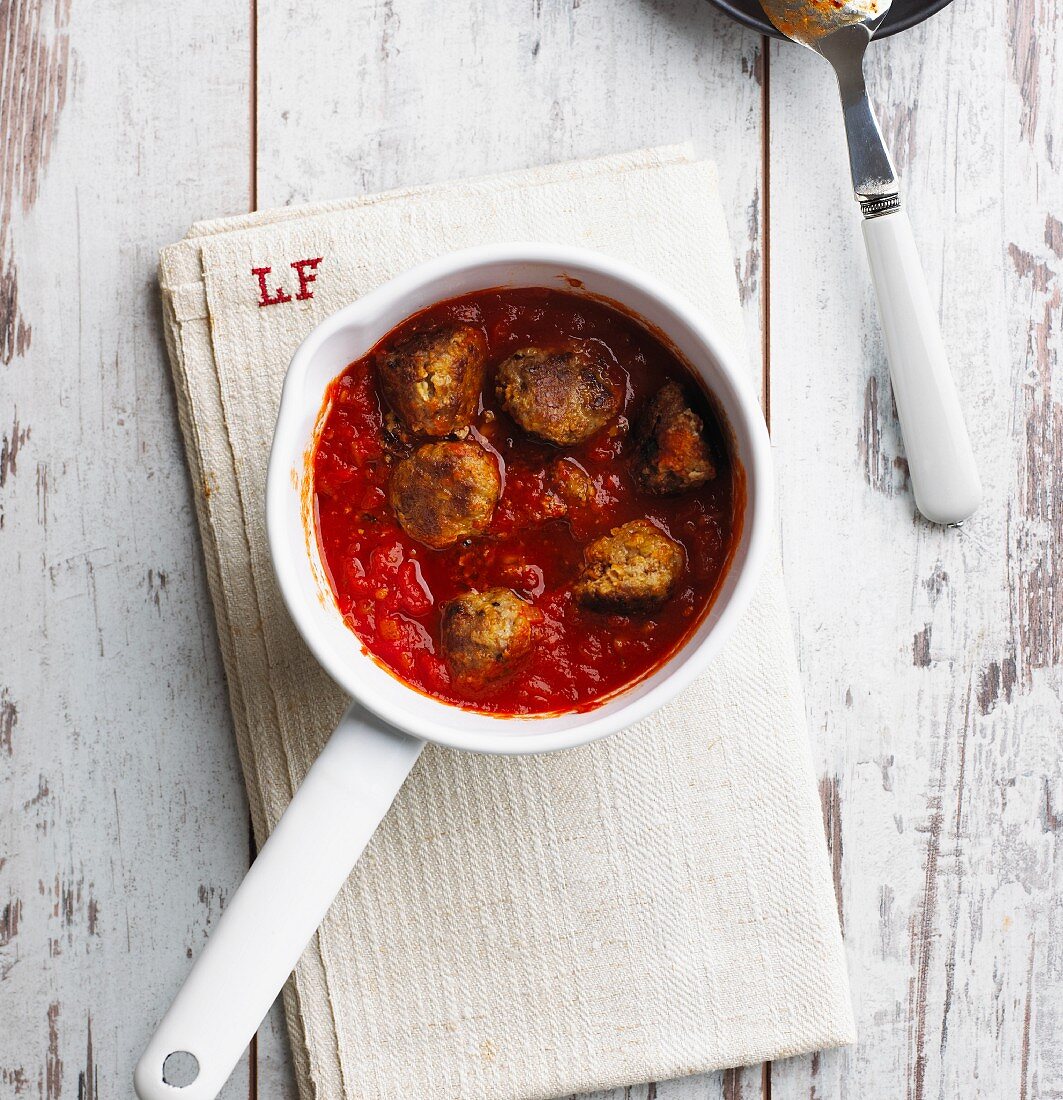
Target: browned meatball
571	483
561	395
671	452
433	379
484	634
444	492
632	570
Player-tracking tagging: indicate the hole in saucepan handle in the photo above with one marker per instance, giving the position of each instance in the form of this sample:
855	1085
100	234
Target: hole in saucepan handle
180	1069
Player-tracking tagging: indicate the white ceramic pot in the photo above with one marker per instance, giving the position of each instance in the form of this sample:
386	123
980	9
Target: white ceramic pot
348	790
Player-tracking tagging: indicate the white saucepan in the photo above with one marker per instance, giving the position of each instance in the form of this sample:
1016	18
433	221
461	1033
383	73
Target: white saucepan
346	793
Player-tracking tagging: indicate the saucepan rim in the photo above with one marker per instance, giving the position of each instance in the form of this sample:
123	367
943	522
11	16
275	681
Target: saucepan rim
343	656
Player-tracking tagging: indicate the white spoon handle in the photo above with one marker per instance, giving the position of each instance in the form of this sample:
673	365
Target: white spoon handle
278	906
943	471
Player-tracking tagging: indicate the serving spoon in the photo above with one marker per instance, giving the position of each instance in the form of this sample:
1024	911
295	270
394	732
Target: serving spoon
944	475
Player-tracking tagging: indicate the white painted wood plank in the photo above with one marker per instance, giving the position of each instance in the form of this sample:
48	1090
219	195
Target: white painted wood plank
388	93
931	658
124	825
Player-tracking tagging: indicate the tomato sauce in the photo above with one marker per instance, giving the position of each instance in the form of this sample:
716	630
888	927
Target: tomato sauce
390	588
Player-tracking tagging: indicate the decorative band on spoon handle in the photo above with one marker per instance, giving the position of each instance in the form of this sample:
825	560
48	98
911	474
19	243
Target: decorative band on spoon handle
875	208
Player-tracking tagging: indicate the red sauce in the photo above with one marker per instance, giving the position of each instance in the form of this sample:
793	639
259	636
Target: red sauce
390	588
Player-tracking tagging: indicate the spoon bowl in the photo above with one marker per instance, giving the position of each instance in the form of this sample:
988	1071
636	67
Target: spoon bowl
902	15
812	22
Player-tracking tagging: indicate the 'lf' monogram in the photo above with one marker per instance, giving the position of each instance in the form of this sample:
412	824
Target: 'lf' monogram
306	270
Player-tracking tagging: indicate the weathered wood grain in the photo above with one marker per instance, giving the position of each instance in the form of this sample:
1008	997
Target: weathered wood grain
931	658
34	74
122	818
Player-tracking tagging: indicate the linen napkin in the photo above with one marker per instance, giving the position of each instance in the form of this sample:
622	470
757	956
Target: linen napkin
654	905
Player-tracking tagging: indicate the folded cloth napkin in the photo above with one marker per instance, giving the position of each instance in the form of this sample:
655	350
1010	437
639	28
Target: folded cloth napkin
650	906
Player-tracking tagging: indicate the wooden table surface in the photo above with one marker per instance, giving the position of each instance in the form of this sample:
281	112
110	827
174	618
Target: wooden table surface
931	658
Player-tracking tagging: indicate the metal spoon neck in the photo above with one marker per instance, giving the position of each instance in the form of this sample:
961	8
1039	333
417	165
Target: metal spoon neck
873	174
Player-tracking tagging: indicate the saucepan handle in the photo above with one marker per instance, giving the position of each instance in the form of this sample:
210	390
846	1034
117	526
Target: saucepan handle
277	908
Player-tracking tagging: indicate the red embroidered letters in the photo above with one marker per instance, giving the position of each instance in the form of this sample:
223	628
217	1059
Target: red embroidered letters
306	272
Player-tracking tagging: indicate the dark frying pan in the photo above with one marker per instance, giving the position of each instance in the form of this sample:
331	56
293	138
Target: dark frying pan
903	14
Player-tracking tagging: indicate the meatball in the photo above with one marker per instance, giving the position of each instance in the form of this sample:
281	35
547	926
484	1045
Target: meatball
433	379
484	634
444	492
560	395
571	483
671	453
632	570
